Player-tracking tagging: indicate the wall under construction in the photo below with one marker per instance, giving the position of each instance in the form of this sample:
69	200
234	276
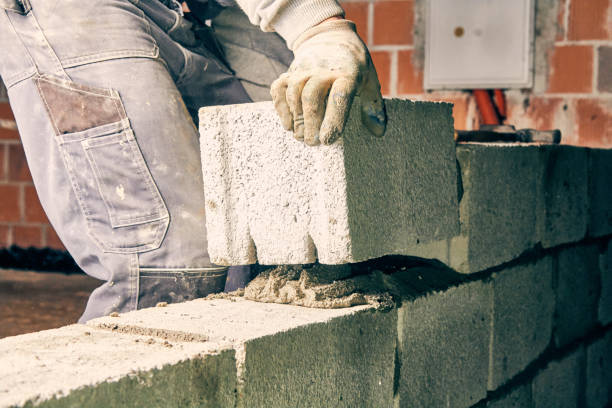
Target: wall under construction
529	324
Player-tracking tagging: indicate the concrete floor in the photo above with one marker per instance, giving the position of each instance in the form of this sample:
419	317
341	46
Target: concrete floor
33	301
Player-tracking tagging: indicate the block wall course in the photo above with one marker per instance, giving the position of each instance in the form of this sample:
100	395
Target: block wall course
348	362
557	385
285	198
83	366
599	373
577	293
522	316
594	121
563	203
52	240
605	298
3	163
443	347
519	397
498	207
600	191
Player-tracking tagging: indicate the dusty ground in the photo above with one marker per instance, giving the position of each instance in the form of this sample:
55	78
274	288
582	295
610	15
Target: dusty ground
33	301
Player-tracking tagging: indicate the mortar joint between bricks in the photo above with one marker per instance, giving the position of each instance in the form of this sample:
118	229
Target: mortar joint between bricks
549	355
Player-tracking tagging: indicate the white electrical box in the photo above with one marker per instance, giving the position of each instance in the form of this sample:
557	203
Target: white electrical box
475	44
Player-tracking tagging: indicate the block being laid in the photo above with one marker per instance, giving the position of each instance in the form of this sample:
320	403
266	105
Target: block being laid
275	200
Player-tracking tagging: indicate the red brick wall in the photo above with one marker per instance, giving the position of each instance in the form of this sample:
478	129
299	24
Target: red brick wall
22	220
573	86
572	91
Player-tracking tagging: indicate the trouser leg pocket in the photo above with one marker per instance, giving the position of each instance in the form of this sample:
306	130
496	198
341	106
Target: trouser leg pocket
124	210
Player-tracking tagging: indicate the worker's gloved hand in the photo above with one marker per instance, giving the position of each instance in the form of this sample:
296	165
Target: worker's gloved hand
331	66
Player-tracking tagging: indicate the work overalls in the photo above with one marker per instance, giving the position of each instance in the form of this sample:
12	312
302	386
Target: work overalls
105	95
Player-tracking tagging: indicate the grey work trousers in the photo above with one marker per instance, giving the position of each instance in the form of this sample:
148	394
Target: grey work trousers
105	95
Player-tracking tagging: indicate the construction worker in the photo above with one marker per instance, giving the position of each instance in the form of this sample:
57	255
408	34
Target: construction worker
105	94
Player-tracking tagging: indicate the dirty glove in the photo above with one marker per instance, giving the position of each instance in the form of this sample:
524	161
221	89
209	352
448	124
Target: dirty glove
331	66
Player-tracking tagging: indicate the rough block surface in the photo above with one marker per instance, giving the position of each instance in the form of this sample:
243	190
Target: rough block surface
522	316
600	191
599	373
563	203
287	355
349	362
82	366
578	288
443	351
517	398
498	208
272	199
605	299
557	385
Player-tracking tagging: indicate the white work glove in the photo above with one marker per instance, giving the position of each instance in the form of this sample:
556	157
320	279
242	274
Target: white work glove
331	66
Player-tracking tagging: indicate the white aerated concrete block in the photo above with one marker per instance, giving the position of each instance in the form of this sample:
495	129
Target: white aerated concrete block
273	199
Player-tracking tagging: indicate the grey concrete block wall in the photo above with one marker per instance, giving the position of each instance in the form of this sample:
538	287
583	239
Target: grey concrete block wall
578	289
349	362
558	385
516	196
443	351
287	355
519	397
246	354
272	199
599	373
498	208
605	298
563	202
522	317
600	192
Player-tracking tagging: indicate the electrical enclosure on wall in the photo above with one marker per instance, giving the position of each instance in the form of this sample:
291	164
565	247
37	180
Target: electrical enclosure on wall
476	44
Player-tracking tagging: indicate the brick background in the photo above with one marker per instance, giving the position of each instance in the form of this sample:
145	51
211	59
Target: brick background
22	219
574	38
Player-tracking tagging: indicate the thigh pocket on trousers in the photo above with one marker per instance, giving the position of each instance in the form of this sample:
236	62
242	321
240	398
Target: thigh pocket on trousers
124	210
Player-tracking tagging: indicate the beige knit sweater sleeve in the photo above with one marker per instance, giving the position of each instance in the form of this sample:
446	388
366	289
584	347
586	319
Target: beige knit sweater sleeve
289	18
